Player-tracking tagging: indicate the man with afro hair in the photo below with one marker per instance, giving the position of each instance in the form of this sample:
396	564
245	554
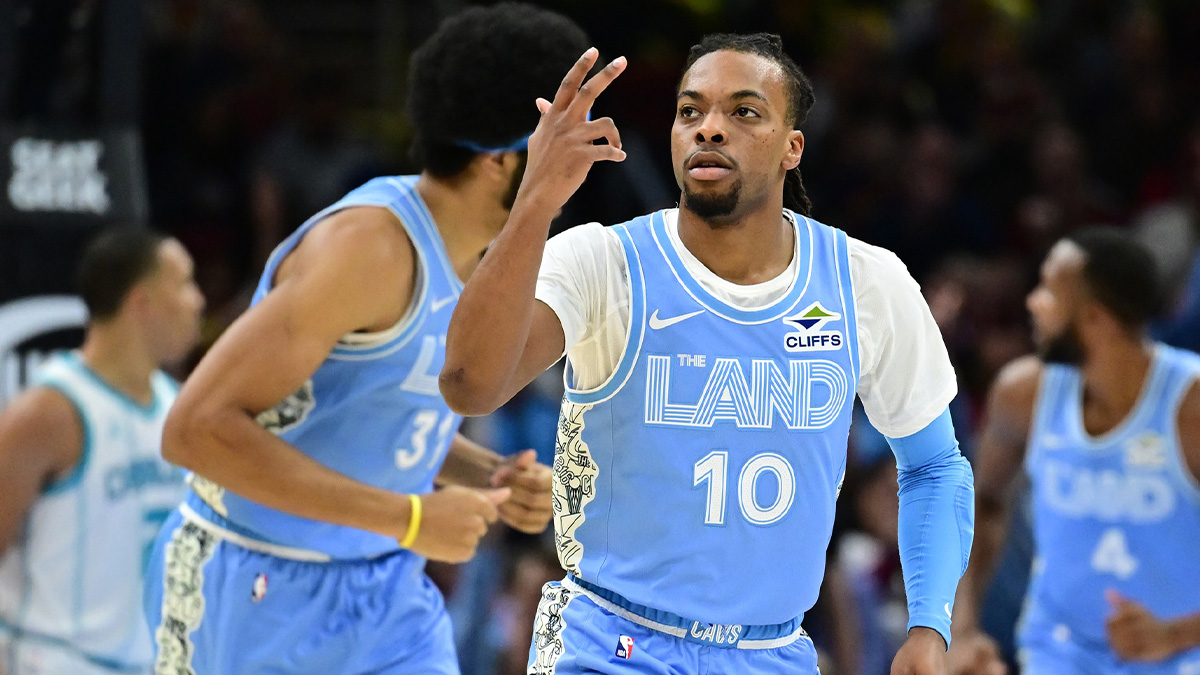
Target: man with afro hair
314	427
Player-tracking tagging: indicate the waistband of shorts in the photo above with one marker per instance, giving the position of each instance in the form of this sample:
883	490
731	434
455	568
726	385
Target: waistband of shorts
196	511
723	636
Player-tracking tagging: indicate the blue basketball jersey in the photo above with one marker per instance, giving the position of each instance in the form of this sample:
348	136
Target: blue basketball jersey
372	410
1119	511
700	479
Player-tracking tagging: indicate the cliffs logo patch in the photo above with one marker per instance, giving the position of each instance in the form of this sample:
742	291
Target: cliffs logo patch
809	336
1147	451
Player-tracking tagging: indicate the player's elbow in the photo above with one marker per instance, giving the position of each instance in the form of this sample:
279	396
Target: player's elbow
466	395
183	436
176	430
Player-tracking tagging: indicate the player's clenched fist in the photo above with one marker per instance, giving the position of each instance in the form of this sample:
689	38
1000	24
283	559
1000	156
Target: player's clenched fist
530	508
923	653
561	150
453	520
1137	635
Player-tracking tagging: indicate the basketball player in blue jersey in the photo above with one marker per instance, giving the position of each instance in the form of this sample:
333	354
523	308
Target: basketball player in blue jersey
314	427
83	488
1106	425
714	353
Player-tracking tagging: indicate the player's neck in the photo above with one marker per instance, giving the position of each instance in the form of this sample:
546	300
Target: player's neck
457	207
1115	372
120	358
754	248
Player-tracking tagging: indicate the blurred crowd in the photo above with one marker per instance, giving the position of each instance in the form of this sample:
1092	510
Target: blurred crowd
965	135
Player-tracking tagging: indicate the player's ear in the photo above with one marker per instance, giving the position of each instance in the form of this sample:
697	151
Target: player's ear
495	166
511	162
795	149
1092	312
137	300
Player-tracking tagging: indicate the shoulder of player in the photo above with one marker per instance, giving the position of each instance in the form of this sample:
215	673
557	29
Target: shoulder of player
876	269
584	248
354	244
45	421
862	253
1015	389
583	237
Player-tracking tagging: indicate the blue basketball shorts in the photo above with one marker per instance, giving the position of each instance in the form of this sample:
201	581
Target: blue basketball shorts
586	630
216	607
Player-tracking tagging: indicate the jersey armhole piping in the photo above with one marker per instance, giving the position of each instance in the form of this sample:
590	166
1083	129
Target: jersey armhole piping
366	346
75	475
633	337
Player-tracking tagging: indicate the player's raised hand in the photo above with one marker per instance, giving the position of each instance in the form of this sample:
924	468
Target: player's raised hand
1134	633
561	150
530	507
454	519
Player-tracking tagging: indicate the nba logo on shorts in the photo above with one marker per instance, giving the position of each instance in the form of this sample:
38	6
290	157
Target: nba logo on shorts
260	588
625	647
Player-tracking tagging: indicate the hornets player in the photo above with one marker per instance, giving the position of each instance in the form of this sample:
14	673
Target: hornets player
314	426
714	354
83	488
1106	424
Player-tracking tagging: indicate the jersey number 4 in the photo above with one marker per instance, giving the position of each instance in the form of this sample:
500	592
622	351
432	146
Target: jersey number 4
714	470
1112	555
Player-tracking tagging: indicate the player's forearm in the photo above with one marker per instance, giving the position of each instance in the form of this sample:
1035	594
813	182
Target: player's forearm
1185	632
18	491
232	450
937	508
468	464
20	484
491	322
11	520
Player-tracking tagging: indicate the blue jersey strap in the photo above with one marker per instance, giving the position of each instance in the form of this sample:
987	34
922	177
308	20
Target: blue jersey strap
937	521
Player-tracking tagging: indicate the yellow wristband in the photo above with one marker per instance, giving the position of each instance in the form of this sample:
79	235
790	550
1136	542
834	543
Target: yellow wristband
414	522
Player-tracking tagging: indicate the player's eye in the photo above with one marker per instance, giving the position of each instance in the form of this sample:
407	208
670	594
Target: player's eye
688	111
743	111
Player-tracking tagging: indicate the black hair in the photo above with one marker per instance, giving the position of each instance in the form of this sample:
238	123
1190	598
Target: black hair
475	80
1120	273
113	263
799	91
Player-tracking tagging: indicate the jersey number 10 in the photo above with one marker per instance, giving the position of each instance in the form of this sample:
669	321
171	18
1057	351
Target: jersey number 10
714	470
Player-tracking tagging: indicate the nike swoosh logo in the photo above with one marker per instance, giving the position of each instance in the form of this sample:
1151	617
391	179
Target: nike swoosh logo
657	323
438	304
948	613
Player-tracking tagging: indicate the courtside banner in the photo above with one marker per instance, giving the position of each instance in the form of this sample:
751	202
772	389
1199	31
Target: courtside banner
70	177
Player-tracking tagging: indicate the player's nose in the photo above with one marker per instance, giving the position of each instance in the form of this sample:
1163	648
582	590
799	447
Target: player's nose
711	130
